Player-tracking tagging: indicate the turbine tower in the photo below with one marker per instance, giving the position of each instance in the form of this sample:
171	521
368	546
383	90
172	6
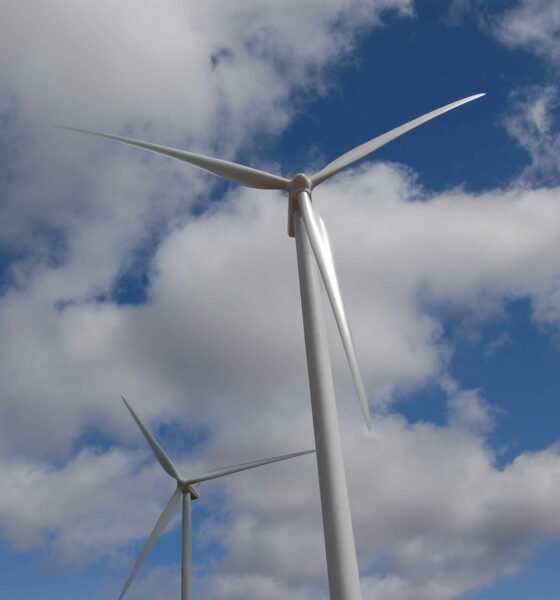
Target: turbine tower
187	489
313	248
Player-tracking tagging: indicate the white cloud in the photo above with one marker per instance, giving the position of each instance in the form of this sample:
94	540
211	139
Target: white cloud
532	119
440	514
532	123
78	209
219	346
152	71
432	515
180	67
82	509
532	25
467	409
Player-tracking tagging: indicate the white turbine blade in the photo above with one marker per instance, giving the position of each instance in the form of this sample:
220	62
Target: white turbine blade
364	149
244	466
160	525
240	174
321	247
158	451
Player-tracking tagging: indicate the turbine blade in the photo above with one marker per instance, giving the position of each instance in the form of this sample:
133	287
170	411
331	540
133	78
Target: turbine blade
160	525
240	174
364	149
321	247
244	466
158	451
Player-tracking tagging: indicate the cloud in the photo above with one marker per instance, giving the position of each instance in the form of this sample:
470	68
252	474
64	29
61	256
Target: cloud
208	77
80	510
432	515
467	409
217	349
531	25
193	69
441	517
237	588
77	212
533	124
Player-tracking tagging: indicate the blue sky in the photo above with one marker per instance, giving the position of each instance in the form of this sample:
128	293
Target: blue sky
125	273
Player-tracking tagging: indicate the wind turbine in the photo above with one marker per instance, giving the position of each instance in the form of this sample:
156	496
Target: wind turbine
312	245
187	489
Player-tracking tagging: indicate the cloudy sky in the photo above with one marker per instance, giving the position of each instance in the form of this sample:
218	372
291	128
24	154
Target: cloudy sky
127	273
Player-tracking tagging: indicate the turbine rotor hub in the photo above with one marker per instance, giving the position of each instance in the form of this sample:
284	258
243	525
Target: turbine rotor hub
299	183
188	488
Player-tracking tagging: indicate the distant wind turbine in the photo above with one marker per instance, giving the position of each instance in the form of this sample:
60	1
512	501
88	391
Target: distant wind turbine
312	241
186	488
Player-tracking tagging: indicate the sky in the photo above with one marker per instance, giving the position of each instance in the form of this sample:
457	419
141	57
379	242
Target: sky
123	272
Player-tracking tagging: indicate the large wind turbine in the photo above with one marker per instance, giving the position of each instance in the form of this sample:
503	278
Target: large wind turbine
187	489
312	244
